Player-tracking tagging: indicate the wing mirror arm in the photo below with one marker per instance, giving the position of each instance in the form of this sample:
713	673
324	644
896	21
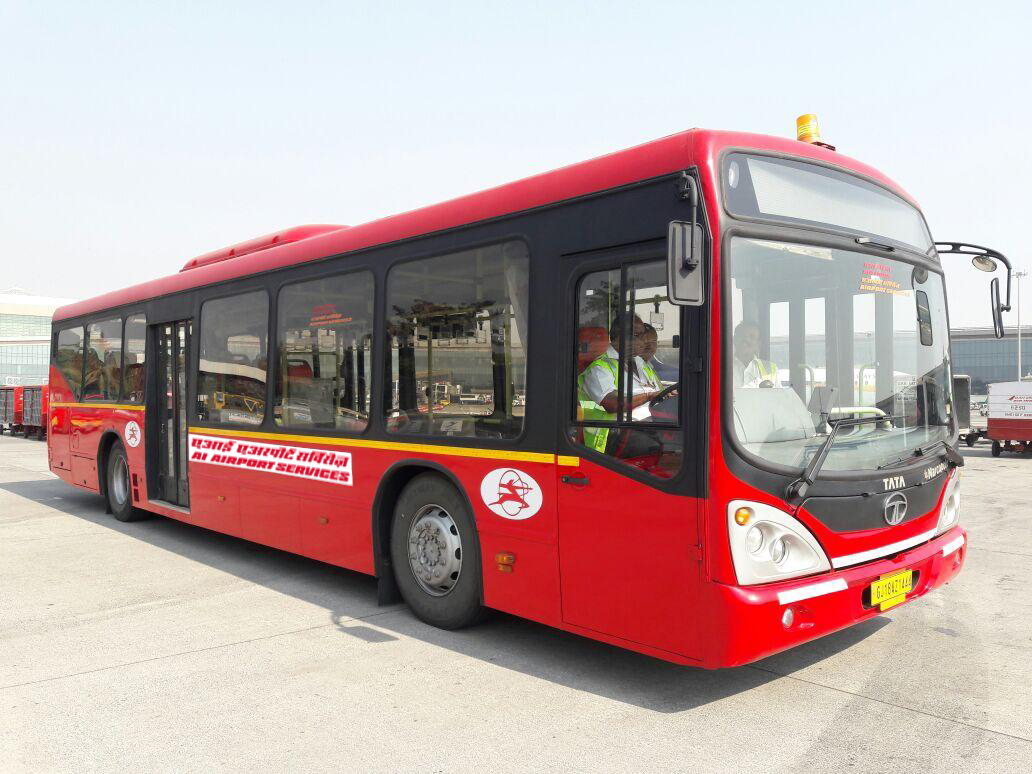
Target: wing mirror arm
985	259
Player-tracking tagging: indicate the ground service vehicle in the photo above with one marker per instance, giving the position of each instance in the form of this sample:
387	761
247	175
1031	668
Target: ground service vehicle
35	406
1010	416
770	460
11	409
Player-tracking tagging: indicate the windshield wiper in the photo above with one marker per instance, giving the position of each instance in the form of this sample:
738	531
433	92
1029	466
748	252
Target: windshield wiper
951	454
799	487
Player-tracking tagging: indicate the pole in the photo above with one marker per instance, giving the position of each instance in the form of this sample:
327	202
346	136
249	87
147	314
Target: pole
1018	275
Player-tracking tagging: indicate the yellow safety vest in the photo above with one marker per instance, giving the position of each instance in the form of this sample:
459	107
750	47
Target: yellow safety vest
766	374
596	437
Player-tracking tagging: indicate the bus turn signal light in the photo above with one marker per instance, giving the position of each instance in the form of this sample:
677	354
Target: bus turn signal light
742	516
505	561
808	130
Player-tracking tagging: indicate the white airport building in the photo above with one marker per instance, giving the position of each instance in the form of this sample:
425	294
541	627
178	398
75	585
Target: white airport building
25	336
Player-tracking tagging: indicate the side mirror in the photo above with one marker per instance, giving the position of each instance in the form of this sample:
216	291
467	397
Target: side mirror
997	307
684	263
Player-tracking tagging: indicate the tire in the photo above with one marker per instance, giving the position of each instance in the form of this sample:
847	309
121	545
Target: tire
970	439
119	485
997	448
432	531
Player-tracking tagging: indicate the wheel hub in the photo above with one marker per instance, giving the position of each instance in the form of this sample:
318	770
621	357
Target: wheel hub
435	550
121	480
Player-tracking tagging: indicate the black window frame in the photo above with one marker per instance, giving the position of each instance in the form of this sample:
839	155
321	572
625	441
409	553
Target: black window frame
193	375
459	246
291	279
56	342
100	320
692	400
121	388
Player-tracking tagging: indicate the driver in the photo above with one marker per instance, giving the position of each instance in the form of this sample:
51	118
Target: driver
597	392
749	369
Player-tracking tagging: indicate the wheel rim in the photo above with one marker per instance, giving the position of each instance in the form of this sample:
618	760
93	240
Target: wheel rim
120	481
435	550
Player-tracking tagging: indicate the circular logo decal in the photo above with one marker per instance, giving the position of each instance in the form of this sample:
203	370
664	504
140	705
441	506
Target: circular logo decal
133	434
511	493
895	508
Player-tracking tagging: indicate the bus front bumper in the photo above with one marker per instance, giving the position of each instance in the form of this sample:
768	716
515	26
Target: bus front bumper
756	624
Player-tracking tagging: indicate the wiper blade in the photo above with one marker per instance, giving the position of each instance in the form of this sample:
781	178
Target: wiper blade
951	454
799	487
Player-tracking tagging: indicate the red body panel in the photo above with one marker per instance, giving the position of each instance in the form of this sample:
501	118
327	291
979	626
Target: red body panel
746	623
671	592
1010	429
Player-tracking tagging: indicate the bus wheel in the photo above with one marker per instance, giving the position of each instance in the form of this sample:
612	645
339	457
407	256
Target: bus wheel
996	448
436	554
119	485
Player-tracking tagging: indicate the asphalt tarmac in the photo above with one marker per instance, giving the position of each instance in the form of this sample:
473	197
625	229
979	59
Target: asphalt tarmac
158	646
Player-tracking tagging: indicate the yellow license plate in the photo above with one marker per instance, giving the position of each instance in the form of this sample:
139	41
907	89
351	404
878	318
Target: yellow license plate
892	589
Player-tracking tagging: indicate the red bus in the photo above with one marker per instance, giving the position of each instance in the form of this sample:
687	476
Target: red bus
713	416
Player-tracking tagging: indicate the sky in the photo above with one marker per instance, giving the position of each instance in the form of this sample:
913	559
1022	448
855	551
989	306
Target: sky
138	135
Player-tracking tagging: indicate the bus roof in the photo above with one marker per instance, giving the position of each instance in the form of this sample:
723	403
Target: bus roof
308	243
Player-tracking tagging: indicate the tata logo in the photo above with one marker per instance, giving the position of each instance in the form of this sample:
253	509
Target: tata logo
895	508
894	482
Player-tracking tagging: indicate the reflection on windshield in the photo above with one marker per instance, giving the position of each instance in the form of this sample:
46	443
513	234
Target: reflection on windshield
820	335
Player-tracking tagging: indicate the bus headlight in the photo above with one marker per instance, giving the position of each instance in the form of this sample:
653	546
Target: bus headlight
949	514
772	545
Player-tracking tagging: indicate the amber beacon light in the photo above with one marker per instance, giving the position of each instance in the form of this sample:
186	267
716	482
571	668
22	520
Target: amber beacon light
808	130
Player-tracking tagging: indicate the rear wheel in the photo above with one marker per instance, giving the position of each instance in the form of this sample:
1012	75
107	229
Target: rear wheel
997	448
971	438
119	485
436	553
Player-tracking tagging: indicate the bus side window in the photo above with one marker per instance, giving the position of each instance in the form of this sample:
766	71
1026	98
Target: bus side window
103	368
324	351
233	363
68	358
628	374
457	332
134	375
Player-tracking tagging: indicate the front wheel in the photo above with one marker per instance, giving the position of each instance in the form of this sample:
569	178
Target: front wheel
119	485
436	553
970	439
997	448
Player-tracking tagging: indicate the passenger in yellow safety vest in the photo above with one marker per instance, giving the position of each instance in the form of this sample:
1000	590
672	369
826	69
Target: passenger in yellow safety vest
597	386
749	369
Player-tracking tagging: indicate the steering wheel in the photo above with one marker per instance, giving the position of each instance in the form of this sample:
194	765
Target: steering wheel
663	394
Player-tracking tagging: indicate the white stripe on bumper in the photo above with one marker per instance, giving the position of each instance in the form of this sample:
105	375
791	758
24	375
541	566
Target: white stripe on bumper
953	545
809	592
877	553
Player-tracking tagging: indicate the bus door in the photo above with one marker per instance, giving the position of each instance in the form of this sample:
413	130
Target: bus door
167	455
628	508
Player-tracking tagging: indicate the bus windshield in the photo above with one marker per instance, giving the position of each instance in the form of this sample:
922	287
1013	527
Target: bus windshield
819	335
805	194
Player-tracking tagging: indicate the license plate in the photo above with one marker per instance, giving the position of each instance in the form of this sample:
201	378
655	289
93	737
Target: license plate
890	590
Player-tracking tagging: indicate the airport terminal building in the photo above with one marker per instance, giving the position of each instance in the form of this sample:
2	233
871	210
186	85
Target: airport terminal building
986	359
25	336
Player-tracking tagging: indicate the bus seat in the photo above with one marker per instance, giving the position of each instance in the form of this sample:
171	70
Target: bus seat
592	341
299	370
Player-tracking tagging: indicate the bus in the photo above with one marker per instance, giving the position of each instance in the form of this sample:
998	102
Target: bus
718	422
